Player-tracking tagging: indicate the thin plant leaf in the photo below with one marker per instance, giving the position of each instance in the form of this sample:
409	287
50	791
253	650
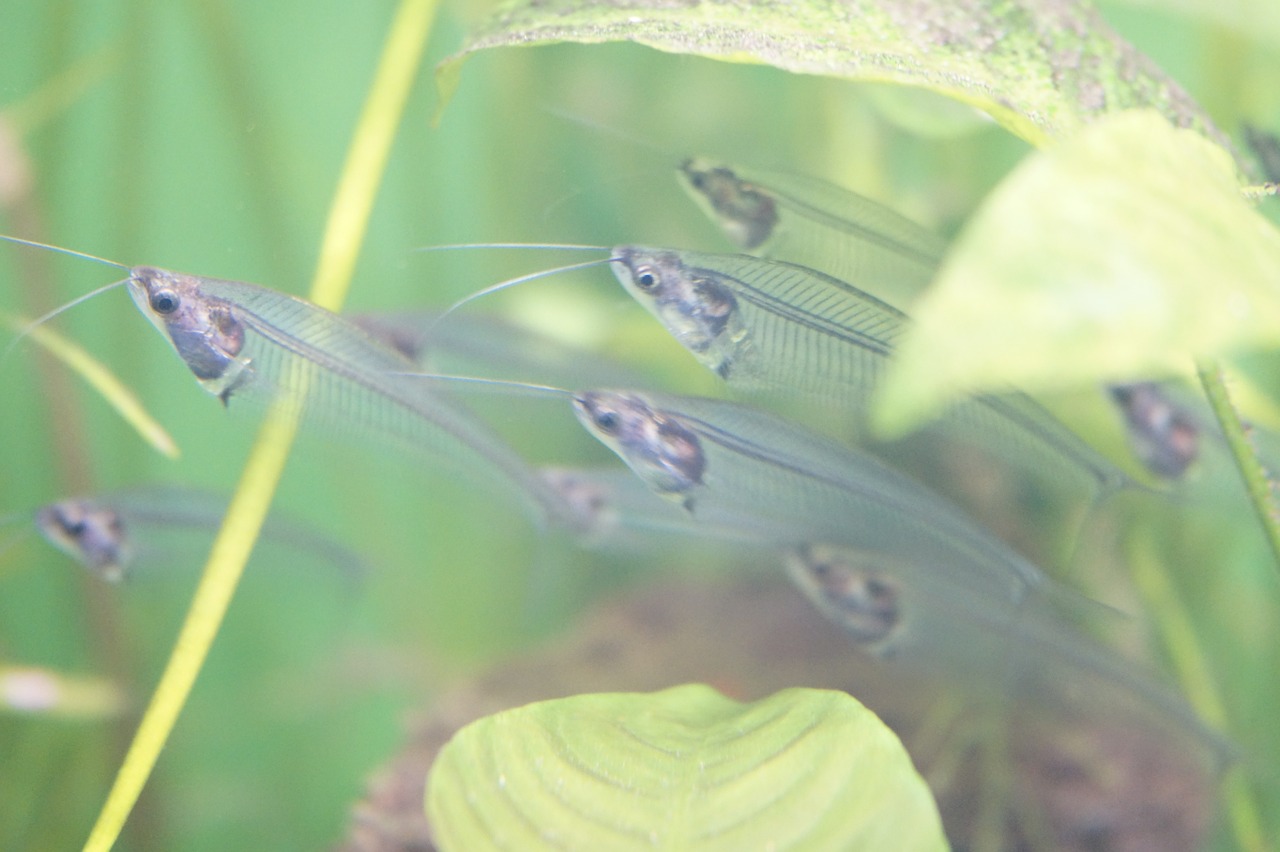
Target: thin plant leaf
685	768
348	221
109	387
1040	69
1125	251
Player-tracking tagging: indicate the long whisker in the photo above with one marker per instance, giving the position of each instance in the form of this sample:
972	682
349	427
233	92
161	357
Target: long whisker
511	282
61	250
25	330
546	246
607	129
500	385
502	285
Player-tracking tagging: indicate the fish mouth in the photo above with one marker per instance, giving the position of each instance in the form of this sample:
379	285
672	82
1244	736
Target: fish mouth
141	297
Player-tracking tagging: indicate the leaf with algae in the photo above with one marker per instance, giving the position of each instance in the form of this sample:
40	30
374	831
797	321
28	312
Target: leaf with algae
685	768
1042	68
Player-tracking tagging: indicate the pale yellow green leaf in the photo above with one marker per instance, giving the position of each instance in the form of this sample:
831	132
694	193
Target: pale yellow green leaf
1125	251
685	768
1042	68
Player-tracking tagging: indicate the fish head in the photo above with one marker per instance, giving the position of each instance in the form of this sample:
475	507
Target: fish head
93	535
695	305
656	445
744	212
1162	432
205	331
847	587
590	502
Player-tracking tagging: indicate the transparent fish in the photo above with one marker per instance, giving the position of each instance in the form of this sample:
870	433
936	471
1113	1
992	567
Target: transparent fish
771	326
239	340
1165	434
903	611
851	588
487	345
110	534
808	221
94	535
248	342
735	466
614	509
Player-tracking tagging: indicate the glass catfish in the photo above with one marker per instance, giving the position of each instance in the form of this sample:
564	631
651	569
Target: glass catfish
808	221
1163	431
735	466
909	612
110	534
244	341
615	510
766	325
903	611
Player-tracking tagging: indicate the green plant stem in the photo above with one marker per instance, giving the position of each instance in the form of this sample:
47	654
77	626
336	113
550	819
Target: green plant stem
1194	673
344	233
1255	478
1259	191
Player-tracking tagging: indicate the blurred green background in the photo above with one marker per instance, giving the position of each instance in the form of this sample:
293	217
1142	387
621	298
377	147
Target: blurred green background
207	136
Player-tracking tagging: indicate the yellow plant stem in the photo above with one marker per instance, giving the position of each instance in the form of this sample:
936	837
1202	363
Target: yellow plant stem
348	221
1193	670
117	394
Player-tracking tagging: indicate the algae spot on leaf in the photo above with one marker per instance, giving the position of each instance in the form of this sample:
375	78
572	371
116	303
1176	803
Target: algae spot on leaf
1125	251
1042	68
685	768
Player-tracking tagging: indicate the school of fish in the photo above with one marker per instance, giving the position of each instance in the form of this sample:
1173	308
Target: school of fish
809	316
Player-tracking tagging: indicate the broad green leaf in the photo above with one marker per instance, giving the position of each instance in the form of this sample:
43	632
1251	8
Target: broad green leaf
1040	69
1126	251
106	383
685	768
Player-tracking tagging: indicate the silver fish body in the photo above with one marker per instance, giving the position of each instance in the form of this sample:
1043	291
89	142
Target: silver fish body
97	536
770	326
241	340
904	612
808	221
732	465
109	534
1164	434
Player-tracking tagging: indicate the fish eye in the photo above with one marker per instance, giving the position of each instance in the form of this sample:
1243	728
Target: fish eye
606	421
164	301
645	278
878	588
